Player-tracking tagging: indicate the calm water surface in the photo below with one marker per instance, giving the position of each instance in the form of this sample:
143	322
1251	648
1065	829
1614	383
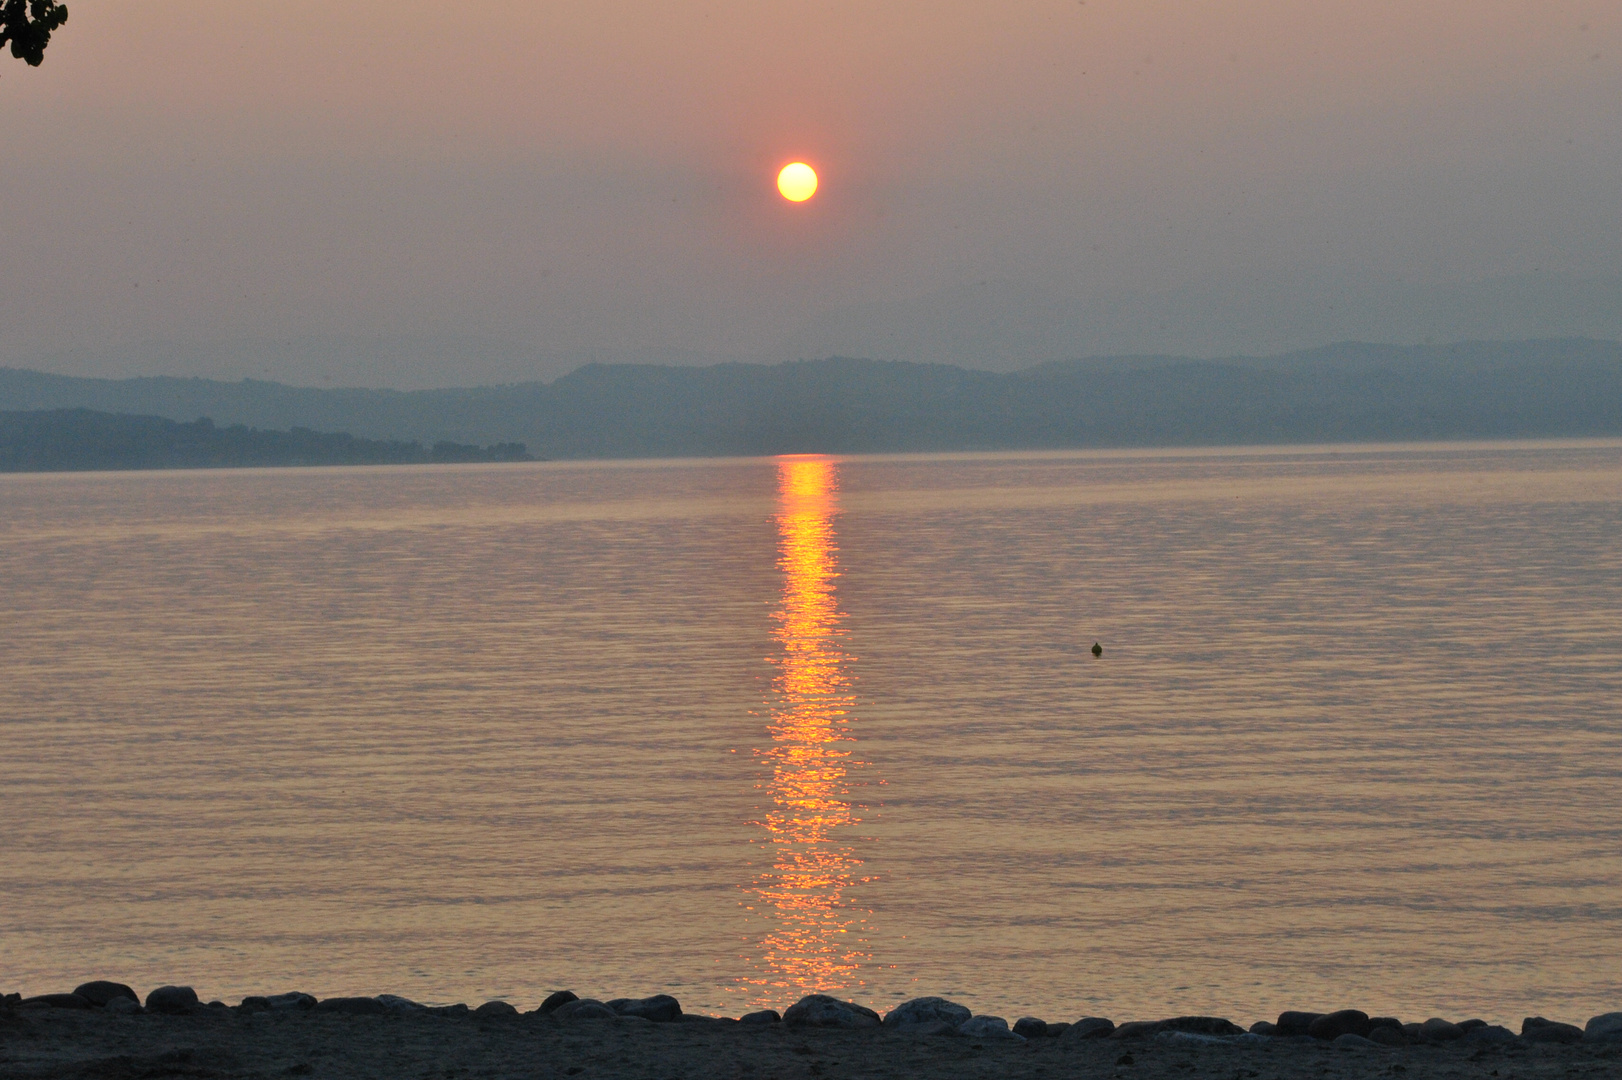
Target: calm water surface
743	729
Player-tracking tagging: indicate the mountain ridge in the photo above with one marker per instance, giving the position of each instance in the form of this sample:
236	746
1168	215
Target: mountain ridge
1348	391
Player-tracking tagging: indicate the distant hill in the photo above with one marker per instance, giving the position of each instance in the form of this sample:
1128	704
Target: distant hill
1341	393
58	440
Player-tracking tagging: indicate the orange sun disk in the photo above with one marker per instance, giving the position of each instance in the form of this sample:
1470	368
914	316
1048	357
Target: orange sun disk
797	182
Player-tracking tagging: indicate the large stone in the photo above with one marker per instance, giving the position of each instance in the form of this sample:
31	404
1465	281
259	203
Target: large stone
396	1003
1135	1029
660	1008
929	1027
171	999
353	1006
100	992
1264	1027
556	1001
1349	1041
1386	1035
584	1009
458	1009
1606	1027
1333	1025
822	1011
123	1006
1031	1027
764	1016
56	1001
1189	1025
1088	1027
926	1010
987	1027
1490	1034
1537	1029
495	1008
1295	1022
1438	1030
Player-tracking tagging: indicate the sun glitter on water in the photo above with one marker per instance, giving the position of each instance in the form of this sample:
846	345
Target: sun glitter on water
815	937
797	181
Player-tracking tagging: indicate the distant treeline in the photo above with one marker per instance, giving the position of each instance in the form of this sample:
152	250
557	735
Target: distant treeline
57	440
1341	393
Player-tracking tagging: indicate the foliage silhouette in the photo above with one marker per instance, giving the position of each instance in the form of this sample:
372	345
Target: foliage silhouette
27	26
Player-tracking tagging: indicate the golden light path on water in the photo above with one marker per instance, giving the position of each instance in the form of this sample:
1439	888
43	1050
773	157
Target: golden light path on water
814	939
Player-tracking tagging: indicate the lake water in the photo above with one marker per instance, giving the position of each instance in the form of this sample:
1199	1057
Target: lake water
738	730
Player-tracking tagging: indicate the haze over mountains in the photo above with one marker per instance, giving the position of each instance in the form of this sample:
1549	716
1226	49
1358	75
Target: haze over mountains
992	325
1348	392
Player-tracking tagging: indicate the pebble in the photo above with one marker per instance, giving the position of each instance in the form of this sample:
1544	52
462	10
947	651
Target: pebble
931	1027
295	1000
396	1003
1135	1029
1438	1030
1190	1037
556	1001
1537	1029
353	1006
987	1027
1031	1028
1295	1023
660	1008
1088	1027
171	999
55	1001
102	993
820	1010
926	1010
1331	1026
1349	1041
1191	1025
584	1009
1606	1027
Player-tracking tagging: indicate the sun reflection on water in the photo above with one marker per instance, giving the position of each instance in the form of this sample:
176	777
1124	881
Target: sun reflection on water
814	939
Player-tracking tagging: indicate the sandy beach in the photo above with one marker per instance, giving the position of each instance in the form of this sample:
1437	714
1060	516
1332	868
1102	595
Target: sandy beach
348	1040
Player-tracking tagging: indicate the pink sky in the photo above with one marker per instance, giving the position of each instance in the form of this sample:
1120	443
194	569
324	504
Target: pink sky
572	176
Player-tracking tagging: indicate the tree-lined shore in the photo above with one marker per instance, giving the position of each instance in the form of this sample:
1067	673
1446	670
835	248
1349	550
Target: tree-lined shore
63	440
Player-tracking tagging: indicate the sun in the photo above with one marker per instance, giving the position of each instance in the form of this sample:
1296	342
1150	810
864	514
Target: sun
797	182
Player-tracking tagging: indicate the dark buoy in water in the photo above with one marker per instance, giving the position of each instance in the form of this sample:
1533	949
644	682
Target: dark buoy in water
1098	650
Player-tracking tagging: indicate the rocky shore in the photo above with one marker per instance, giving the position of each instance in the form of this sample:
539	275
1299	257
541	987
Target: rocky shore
105	1030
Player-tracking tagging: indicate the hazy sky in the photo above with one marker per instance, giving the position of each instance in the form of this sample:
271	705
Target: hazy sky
574	178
